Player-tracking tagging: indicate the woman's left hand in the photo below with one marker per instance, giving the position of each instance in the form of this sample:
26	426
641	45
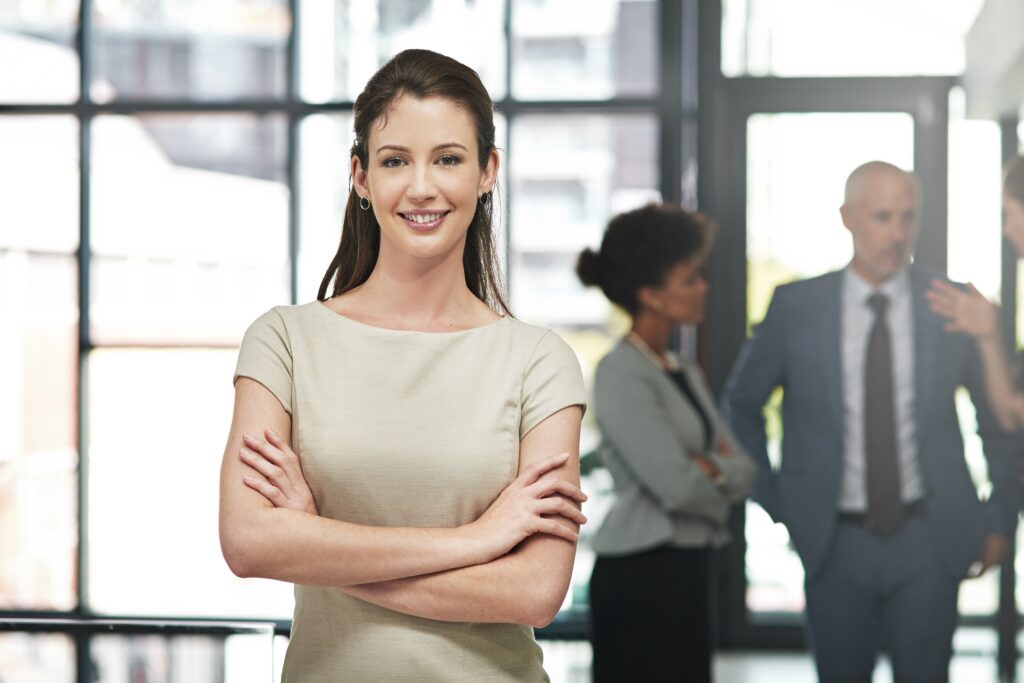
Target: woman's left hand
278	475
965	310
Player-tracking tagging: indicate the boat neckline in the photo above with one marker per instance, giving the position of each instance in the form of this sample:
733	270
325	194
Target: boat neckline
334	314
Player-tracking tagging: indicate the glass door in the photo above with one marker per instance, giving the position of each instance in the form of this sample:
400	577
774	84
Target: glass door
794	231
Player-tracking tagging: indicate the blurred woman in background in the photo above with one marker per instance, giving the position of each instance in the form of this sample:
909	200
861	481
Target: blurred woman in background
967	311
676	468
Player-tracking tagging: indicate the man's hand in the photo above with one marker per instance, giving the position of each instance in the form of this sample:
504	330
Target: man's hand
991	554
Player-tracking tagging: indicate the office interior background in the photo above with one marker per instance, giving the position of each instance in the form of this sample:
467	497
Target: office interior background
170	169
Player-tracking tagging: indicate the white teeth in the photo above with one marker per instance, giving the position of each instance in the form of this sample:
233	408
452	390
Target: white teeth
423	217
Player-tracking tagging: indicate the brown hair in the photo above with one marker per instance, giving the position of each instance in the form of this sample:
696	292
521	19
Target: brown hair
640	247
419	73
1013	179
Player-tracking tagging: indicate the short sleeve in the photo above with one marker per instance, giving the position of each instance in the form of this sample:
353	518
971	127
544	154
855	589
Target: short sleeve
552	381
266	356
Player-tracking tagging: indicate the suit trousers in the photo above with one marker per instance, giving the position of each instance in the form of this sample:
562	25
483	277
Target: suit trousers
650	616
873	593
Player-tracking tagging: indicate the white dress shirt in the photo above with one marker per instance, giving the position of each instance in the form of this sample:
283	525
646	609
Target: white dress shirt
855	328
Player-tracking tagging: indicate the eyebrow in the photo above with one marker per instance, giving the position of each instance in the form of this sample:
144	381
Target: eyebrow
444	145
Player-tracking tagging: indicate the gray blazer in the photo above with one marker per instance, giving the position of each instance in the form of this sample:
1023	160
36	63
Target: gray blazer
649	429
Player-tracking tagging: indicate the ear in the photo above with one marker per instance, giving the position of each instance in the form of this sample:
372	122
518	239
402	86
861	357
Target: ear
490	173
649	298
847	215
358	174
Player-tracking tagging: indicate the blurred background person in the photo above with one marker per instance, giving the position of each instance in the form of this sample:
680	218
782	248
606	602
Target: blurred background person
676	468
968	311
873	484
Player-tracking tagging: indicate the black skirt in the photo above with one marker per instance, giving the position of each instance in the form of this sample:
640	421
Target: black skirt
650	616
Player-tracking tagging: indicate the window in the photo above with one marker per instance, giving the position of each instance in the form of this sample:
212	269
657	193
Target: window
211	142
845	37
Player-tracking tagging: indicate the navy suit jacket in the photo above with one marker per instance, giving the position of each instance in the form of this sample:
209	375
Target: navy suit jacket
797	347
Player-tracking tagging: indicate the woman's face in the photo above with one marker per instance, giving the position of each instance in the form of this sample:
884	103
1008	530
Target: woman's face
423	177
1013	226
680	299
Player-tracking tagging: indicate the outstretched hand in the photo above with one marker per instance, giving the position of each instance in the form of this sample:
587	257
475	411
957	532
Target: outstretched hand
278	476
530	505
965	310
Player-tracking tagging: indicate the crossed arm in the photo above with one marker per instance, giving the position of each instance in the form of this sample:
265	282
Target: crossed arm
511	565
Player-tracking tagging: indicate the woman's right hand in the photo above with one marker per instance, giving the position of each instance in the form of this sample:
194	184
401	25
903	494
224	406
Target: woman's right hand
530	505
965	310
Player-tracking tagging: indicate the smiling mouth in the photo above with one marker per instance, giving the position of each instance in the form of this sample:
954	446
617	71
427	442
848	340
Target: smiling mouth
424	220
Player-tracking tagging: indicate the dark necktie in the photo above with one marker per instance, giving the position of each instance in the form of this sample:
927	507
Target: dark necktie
885	509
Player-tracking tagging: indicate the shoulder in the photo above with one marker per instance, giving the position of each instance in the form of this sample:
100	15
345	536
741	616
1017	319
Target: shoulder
285	316
531	340
622	357
922	276
809	288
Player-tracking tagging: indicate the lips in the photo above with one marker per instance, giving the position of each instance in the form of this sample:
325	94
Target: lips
423	220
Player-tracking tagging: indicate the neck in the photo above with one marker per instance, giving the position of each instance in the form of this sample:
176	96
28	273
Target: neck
419	291
869	276
654	330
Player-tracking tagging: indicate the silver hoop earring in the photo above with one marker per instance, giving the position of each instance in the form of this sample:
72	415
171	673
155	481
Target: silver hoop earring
364	203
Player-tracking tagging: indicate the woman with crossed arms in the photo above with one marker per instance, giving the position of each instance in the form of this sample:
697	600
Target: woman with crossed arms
402	449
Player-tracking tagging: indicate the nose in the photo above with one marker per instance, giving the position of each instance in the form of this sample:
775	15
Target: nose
421	185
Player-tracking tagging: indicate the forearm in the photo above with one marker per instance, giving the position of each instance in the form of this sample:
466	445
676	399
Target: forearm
287	545
738	473
998	387
525	586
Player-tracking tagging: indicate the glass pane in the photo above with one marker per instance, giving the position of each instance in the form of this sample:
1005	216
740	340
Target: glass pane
794	231
40	161
562	53
569	174
975	235
845	37
153	488
325	141
38	420
189	49
344	42
189	226
36	658
41	34
195	659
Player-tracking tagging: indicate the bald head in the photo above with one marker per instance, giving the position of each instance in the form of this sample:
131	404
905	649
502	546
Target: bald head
881	213
863	175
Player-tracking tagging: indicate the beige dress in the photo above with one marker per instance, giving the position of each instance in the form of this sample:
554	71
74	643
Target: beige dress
400	428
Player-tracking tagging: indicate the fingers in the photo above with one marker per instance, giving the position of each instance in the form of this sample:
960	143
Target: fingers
553	484
541	467
553	528
260	464
265	489
264	448
556	505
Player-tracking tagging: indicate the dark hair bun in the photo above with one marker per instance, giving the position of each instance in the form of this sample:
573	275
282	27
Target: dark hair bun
589	268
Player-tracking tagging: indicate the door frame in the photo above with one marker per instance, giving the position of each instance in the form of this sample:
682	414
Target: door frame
723	194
